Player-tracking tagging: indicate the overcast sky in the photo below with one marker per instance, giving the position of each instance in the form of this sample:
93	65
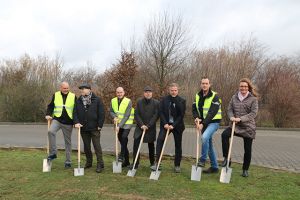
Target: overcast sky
93	30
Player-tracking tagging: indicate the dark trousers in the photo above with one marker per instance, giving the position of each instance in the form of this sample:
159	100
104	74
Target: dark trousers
150	148
88	137
123	139
177	140
247	147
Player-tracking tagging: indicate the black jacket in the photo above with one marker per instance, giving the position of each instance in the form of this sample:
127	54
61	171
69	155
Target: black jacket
213	110
146	113
90	117
180	105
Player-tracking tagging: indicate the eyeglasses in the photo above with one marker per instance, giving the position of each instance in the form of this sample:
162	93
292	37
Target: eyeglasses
243	86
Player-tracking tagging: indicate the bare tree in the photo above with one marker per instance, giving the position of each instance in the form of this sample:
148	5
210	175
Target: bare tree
165	49
279	83
77	76
121	74
26	87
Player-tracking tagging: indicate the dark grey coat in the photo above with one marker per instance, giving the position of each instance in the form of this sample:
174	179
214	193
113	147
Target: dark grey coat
146	113
247	111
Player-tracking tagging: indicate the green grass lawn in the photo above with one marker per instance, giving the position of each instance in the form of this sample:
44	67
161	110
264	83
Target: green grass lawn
21	177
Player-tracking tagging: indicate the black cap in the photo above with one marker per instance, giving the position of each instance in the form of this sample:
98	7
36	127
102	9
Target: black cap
148	88
85	85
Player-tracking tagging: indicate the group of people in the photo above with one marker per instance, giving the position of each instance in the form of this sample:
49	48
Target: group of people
87	112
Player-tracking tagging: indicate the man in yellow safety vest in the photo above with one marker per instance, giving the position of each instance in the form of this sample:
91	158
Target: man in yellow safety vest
122	112
207	114
60	111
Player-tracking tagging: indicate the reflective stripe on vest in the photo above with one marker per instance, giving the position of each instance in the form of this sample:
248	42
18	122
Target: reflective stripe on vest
206	106
59	104
122	109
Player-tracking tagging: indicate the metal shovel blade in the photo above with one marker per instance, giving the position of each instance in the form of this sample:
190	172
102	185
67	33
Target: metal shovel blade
131	172
155	175
117	167
47	165
78	171
225	175
196	173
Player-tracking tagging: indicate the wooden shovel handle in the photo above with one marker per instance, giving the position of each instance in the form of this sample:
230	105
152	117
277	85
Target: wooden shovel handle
138	151
162	151
49	122
230	146
78	142
116	145
197	151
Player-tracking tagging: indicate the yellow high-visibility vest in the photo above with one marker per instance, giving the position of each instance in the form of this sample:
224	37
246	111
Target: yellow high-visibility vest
59	104
206	106
122	109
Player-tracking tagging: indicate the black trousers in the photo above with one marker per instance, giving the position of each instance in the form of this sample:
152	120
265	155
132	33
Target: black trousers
94	136
123	139
247	147
151	149
178	144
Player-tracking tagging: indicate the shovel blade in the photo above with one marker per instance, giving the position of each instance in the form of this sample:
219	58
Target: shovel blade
131	172
47	165
196	173
225	175
78	171
155	175
117	167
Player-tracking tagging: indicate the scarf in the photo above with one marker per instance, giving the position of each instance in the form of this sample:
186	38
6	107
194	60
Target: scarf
86	100
241	97
173	107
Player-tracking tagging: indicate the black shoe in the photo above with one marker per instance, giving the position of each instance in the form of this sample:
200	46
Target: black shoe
87	165
52	157
224	163
177	169
125	164
120	158
200	164
68	165
100	167
211	170
153	167
245	173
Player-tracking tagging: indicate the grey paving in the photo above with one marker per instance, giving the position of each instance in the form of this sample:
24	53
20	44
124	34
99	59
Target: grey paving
279	149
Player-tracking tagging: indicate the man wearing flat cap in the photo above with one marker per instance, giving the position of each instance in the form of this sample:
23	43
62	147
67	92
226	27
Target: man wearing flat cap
60	111
146	114
89	115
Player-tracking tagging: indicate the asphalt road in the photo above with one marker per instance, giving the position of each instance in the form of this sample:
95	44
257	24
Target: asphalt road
277	149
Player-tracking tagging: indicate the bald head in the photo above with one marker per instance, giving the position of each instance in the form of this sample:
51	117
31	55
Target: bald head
64	87
120	92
